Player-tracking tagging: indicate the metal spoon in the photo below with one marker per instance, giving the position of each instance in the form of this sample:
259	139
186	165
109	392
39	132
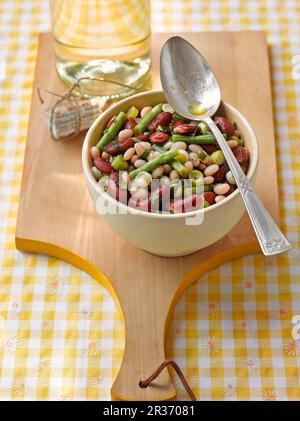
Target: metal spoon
186	77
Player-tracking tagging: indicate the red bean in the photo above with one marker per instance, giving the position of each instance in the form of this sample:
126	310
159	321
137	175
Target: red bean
210	148
159	137
163	119
219	176
177	123
242	154
144	137
224	125
187	204
103	165
185	129
209	197
130	123
120	147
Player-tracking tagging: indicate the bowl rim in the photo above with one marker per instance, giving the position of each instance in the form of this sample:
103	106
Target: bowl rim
116	107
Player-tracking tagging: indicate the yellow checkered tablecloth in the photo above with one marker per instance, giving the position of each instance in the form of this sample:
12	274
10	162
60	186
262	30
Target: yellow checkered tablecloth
61	336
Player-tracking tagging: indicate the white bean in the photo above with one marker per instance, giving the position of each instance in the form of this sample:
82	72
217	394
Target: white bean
143	179
168	145
139	163
97	173
189	166
125	177
195	148
132	187
178	145
146	145
134	158
219	198
95	152
230	178
145	111
167	168
173	175
152	155
139	149
221	188
165	180
232	144
141	194
129	154
202	166
211	169
208	180
193	157
125	134
158	172
105	155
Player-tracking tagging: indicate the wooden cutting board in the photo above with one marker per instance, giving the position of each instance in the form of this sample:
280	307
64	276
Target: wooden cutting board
57	217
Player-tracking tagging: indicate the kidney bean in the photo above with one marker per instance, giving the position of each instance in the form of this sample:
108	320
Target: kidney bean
120	147
224	125
163	119
103	165
130	123
210	148
110	121
187	204
242	154
231	190
209	197
159	137
177	123
144	137
186	129
220	175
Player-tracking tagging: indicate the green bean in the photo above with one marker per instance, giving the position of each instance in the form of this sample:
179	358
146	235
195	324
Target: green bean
204	139
111	132
144	123
176	116
181	169
164	158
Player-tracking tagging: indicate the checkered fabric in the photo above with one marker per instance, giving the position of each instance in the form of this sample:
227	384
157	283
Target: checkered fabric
61	335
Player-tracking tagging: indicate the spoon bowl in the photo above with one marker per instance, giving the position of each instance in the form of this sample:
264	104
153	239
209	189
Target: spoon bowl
187	78
192	89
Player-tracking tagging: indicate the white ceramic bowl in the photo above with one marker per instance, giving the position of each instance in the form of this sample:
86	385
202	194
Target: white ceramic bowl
168	234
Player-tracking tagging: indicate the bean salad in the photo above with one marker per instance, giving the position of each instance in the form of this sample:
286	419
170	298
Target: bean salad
155	160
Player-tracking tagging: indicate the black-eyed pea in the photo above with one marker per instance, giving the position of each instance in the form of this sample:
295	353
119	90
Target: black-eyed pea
95	152
221	188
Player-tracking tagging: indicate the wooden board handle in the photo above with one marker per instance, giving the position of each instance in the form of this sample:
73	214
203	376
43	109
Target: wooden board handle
144	343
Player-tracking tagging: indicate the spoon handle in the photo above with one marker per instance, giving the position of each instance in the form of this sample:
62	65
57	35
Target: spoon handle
271	239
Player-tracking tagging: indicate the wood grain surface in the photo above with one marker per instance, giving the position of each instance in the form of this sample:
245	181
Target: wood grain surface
57	217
